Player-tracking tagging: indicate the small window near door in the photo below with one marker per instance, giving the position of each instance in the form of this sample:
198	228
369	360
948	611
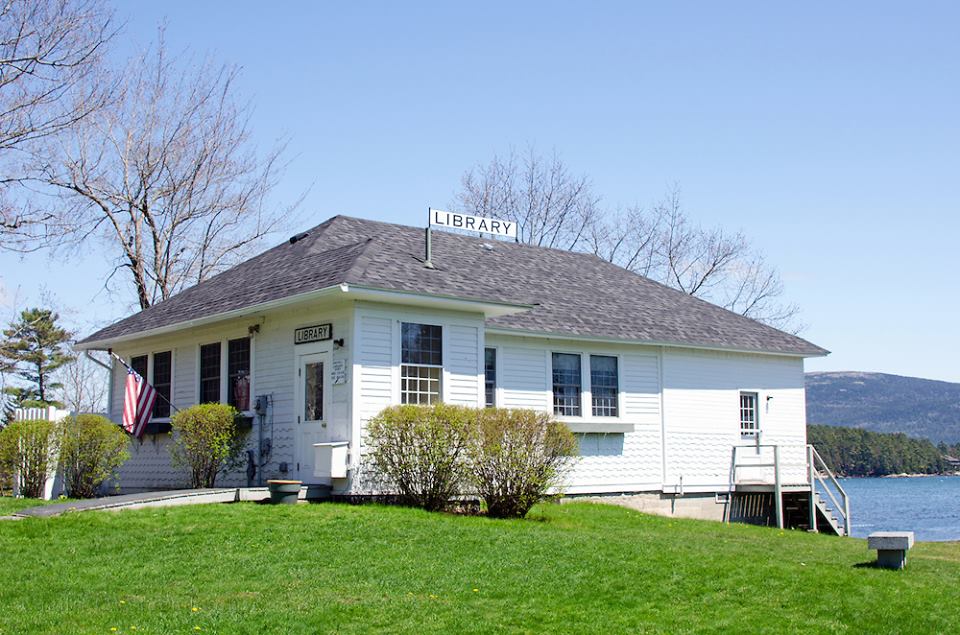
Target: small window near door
421	363
313	391
490	376
210	373
749	423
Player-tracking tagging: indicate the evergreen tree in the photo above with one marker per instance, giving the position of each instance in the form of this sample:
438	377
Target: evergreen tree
33	347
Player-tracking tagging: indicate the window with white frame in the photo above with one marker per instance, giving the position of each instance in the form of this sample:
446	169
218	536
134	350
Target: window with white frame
225	371
421	363
567	384
749	417
490	376
210	373
604	385
158	374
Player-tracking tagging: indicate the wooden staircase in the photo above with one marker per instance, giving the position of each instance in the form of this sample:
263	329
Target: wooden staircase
814	503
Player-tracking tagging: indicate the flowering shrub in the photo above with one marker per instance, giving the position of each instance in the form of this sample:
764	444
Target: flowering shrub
91	449
207	441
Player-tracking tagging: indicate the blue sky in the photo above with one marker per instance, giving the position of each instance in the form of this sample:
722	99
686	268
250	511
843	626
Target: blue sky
829	134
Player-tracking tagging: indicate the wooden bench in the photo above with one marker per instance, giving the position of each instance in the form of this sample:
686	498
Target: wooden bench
891	547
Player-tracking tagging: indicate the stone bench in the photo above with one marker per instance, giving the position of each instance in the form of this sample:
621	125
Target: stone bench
891	547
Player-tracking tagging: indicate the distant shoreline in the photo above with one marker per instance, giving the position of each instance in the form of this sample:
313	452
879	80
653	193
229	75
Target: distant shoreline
898	475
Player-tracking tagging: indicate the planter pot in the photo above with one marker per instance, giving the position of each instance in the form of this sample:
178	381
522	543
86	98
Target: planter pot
284	492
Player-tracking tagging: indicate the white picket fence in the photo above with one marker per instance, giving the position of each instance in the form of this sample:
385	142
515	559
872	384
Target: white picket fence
54	484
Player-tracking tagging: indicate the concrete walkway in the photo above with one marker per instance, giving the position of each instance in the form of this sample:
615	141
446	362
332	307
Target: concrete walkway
150	499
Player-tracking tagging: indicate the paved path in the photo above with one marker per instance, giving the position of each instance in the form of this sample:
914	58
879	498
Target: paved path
149	499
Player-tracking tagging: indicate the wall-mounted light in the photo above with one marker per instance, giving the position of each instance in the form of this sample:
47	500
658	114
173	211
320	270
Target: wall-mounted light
338	343
253	328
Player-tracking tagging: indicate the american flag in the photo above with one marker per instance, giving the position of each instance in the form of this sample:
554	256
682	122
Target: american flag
137	403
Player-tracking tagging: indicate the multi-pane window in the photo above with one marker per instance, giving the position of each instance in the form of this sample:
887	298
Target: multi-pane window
210	373
749	424
162	381
421	363
490	376
604	385
238	373
566	384
139	365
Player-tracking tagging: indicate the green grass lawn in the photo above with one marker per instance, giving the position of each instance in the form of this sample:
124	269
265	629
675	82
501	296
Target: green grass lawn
248	568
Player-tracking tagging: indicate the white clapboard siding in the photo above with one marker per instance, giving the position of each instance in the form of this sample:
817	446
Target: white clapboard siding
375	358
462	366
702	410
524	378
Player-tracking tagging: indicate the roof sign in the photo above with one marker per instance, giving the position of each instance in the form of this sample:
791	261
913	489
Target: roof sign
455	220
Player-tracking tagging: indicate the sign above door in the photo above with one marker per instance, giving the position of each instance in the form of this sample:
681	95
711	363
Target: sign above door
316	333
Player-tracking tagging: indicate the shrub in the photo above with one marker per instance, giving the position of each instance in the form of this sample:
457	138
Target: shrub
91	449
516	457
419	452
207	441
29	450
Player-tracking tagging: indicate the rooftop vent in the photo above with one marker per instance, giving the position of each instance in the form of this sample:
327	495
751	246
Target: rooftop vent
297	237
488	247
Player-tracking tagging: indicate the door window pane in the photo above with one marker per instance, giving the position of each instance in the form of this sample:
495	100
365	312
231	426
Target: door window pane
566	384
313	391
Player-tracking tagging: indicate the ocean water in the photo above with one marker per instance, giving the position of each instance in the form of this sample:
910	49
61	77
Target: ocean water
929	506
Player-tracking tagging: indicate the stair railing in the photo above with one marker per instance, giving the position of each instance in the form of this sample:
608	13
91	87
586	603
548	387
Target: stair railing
818	468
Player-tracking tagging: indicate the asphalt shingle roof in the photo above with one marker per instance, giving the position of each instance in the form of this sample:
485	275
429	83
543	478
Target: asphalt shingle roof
574	294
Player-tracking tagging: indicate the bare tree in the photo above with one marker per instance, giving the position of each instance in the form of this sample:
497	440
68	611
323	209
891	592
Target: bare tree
552	207
555	209
165	176
49	50
83	385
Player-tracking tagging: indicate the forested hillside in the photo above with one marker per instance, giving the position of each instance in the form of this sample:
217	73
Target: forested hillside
885	403
854	452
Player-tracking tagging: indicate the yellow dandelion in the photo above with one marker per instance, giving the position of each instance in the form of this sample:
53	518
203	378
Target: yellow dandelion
194	609
476	590
123	601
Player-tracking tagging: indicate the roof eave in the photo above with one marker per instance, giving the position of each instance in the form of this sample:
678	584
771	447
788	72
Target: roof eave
499	330
489	309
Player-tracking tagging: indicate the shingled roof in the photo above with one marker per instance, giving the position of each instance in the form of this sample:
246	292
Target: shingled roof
572	294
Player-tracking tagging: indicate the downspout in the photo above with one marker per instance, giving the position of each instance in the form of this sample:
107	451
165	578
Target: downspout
109	369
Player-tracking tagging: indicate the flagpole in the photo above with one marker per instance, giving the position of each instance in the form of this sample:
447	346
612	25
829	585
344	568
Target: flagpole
127	366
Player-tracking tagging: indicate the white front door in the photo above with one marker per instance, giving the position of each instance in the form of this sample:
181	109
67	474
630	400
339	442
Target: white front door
313	409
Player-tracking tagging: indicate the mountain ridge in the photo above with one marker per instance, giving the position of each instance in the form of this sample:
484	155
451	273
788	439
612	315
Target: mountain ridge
883	402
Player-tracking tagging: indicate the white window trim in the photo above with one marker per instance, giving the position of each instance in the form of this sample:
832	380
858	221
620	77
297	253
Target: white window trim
444	347
497	389
225	368
756	414
586	394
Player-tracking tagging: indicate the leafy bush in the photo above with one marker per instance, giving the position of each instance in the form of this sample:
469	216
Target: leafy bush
29	449
419	451
91	449
207	441
516	457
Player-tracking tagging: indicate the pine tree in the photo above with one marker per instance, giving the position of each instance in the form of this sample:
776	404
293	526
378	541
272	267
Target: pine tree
33	347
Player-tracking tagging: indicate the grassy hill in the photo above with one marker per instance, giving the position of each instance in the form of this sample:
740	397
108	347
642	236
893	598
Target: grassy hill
577	568
885	403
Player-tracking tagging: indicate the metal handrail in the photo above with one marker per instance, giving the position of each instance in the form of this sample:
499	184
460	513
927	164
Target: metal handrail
843	508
